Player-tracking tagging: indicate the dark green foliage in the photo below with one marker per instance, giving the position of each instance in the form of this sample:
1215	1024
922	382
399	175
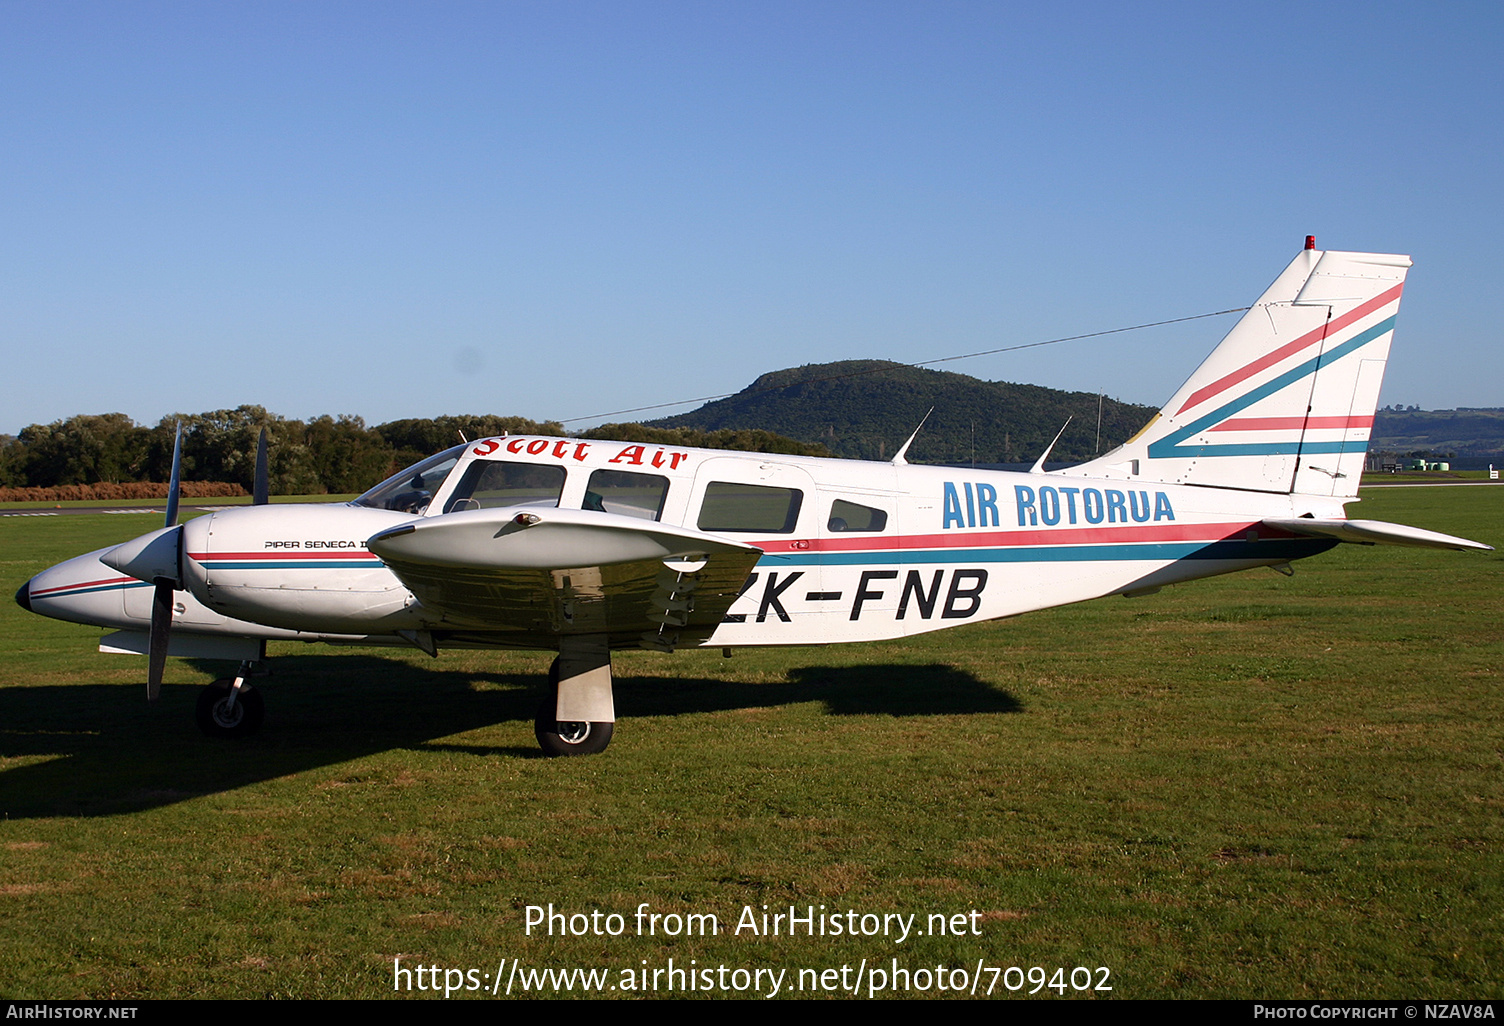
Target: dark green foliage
408	441
324	455
12	453
419	437
346	456
82	450
221	446
865	409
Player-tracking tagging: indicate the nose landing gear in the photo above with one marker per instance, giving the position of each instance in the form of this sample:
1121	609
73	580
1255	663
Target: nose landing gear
230	707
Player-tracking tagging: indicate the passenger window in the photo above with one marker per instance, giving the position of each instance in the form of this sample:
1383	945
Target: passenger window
749	509
849	516
491	483
632	495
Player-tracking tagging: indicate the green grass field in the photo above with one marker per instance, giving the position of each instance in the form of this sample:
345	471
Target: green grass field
1251	786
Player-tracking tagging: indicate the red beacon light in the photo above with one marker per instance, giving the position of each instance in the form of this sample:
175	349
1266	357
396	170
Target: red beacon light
1310	242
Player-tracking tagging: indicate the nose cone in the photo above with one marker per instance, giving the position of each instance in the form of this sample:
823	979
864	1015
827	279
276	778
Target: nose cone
80	590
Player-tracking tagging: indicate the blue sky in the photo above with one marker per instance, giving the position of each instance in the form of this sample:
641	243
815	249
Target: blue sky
559	209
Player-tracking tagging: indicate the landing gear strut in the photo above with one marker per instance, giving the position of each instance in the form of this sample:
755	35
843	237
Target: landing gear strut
577	716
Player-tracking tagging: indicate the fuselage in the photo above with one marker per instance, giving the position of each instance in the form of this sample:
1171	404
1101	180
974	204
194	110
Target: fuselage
851	551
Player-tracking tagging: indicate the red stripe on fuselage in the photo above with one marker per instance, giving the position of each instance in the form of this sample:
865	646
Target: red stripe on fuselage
84	584
289	554
964	539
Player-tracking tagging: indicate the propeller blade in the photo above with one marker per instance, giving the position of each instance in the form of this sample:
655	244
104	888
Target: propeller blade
152	559
161	625
177	478
261	493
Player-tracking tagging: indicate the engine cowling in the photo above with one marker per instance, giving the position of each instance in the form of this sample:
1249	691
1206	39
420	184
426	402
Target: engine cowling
302	567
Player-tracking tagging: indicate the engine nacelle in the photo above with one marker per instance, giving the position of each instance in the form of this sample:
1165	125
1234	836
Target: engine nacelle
304	567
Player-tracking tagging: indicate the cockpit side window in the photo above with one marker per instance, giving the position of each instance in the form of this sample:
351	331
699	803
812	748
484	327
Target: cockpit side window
633	495
852	516
749	509
411	490
491	483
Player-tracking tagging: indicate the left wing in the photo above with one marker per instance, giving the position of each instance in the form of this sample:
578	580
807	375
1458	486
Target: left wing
548	571
1375	532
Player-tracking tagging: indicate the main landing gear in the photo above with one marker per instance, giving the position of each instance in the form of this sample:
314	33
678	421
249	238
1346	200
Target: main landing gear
577	715
230	707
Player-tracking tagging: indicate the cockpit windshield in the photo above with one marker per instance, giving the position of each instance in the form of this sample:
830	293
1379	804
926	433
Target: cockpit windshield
413	489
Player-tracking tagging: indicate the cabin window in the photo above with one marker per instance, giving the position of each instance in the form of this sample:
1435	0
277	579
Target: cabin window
491	483
632	495
851	516
749	509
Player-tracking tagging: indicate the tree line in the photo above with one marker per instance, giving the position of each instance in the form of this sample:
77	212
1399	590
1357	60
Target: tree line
327	454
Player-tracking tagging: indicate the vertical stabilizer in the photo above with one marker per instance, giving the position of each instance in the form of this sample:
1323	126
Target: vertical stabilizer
1286	402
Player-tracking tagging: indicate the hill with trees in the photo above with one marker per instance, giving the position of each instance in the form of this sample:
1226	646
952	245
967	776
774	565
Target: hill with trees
865	409
1473	434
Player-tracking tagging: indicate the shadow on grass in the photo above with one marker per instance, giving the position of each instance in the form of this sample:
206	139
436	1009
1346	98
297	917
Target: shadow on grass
100	750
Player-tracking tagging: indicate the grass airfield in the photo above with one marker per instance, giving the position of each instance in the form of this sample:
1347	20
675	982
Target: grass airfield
1250	786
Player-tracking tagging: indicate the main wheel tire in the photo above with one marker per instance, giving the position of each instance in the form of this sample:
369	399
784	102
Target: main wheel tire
217	718
558	738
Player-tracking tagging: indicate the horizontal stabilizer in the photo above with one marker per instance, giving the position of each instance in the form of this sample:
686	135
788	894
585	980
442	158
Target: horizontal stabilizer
1375	532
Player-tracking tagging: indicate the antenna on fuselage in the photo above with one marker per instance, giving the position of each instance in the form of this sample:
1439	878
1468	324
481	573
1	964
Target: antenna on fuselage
1038	467
898	460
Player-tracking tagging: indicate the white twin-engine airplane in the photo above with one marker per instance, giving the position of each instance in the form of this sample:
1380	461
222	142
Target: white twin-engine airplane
588	547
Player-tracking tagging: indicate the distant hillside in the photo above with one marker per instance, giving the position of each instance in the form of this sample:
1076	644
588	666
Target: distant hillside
864	409
1475	433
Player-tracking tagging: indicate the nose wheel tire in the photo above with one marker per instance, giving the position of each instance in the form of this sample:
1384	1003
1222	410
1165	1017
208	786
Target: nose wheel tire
217	717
